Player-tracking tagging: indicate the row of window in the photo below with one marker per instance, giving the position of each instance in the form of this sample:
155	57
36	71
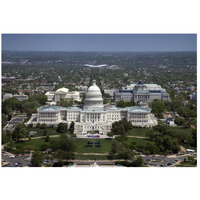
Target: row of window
47	120
139	120
48	115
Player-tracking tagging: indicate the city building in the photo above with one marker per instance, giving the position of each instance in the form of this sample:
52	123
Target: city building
82	88
7	96
63	93
193	96
93	117
142	93
109	91
20	97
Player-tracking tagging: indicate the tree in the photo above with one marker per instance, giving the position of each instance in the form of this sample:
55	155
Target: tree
171	144
38	125
5	138
61	155
41	98
179	121
62	128
71	128
110	134
151	135
54	145
37	159
66	143
190	158
138	162
43	126
151	148
44	146
118	130
126	154
123	104
45	132
66	102
19	132
115	148
47	138
127	125
30	126
194	137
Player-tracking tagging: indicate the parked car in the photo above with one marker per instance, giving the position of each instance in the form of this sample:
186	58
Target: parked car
169	163
12	156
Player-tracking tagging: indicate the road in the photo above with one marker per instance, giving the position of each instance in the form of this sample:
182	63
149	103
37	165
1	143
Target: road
149	160
17	159
154	161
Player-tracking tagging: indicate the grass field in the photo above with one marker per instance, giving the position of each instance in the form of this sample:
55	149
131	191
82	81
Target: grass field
143	131
138	131
178	129
187	164
33	144
80	146
138	141
40	132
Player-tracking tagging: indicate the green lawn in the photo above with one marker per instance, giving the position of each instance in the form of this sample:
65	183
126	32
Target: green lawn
179	129
32	144
138	141
187	164
138	131
40	132
81	143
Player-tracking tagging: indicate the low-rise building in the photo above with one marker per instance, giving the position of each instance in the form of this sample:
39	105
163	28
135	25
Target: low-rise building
63	93
20	97
7	96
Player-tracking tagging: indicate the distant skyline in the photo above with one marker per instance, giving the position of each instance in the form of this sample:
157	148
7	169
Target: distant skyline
100	42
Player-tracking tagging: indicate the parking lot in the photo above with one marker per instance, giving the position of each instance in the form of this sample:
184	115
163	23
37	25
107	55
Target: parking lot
16	161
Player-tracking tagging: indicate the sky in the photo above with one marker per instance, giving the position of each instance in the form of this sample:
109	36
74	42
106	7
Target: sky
99	42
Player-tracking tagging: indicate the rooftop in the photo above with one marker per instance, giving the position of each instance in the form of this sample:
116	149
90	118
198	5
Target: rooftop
138	109
50	108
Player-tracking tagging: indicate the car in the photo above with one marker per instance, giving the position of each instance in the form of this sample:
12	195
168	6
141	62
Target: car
16	164
12	156
169	163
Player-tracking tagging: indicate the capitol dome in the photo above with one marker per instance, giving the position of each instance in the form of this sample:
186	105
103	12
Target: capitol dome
93	98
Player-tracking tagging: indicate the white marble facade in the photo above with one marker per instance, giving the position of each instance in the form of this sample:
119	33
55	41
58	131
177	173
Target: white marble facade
93	117
62	93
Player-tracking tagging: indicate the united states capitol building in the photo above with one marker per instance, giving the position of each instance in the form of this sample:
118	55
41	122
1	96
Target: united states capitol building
93	116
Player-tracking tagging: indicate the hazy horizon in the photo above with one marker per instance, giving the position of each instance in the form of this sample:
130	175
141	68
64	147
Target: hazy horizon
100	42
